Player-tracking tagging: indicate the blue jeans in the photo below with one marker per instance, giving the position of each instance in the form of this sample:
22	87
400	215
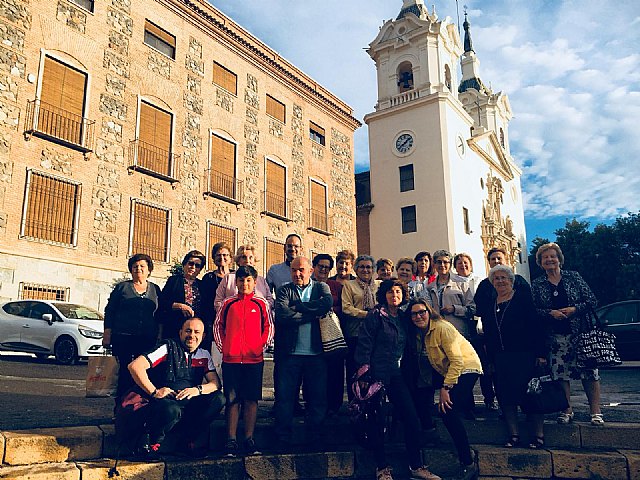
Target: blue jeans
312	369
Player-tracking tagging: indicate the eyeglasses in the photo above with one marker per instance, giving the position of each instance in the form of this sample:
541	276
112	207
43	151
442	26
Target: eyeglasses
420	313
442	262
191	263
365	267
323	267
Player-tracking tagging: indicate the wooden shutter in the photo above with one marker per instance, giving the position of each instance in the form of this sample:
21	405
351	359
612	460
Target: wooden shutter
51	209
163	35
274	253
225	78
218	233
61	101
275	108
318	206
223	166
150	228
154	136
276	189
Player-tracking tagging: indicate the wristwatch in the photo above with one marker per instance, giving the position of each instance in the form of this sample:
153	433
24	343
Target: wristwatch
199	387
447	387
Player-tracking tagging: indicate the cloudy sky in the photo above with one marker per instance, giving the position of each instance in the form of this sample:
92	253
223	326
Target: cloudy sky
571	70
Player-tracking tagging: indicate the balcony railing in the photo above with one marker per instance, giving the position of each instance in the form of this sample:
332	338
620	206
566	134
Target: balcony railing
153	160
60	126
225	187
318	221
405	97
277	206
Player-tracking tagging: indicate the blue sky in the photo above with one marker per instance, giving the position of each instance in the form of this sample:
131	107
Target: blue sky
571	70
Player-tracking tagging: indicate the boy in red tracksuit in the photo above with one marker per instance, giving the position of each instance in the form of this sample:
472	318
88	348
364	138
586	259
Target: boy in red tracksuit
241	331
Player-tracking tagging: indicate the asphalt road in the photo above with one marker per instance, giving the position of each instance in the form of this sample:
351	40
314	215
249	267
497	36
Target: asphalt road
36	394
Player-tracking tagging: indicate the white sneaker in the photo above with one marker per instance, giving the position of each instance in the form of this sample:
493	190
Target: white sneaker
423	473
384	474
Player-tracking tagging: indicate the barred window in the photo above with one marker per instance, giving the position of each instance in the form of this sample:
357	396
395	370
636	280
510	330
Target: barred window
276	109
225	78
222	176
51	209
273	253
36	291
61	103
154	139
219	233
159	39
150	230
318	207
276	191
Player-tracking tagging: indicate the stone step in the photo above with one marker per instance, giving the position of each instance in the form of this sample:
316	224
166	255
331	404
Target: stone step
494	463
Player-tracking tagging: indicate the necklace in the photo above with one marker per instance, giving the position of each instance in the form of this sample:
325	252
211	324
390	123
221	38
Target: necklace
497	310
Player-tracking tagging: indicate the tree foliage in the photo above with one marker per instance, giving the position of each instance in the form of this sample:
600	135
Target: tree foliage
608	257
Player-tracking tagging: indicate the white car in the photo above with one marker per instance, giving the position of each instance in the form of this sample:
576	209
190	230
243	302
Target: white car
65	330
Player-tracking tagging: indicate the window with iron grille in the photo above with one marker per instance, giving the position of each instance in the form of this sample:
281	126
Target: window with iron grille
51	209
276	109
159	39
406	178
316	133
86	4
58	111
36	291
465	217
219	233
225	78
150	227
409	219
276	191
318	220
222	173
154	140
273	253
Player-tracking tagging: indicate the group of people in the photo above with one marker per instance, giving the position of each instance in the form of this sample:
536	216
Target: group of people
430	326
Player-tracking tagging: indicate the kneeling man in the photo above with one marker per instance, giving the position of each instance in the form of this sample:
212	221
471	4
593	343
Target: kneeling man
185	391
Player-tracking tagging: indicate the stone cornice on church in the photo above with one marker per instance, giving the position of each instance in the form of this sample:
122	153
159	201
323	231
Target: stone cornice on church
231	35
496	158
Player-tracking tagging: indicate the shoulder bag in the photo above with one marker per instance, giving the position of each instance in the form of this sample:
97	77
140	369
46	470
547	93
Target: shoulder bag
333	343
596	348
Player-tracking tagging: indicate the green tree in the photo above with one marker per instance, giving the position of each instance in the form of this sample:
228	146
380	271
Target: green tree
534	270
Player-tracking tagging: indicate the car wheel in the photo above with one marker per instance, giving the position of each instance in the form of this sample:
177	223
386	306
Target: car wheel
66	351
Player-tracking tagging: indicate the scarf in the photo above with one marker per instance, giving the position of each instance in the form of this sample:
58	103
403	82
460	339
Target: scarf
368	298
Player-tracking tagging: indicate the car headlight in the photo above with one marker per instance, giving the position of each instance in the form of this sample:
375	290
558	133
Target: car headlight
89	333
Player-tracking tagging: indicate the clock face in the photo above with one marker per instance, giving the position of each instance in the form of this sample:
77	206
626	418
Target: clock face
404	143
460	145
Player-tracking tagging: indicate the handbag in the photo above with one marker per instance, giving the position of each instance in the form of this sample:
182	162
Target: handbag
333	343
544	395
102	376
596	348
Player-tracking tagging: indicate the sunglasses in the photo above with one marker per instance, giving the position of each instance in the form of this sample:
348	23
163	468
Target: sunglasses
191	263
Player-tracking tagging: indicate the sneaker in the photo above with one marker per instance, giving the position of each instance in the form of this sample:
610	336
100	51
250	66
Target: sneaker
384	474
422	473
231	448
597	420
250	447
565	418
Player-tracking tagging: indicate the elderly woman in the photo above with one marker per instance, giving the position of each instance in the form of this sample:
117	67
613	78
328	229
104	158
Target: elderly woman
464	271
344	266
223	260
564	300
424	274
384	269
130	325
435	343
515	342
406	268
180	297
245	255
381	346
358	298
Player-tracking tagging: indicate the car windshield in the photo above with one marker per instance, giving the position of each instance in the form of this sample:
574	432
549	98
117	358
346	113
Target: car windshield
79	312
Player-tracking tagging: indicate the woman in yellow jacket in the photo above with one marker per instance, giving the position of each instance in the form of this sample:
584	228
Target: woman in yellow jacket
434	342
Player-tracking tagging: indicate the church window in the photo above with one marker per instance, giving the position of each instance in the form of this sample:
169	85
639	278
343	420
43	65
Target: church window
225	78
275	109
159	39
502	137
405	77
406	178
465	216
409	219
447	76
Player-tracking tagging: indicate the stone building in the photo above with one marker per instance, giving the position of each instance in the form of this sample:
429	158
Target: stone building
156	126
442	176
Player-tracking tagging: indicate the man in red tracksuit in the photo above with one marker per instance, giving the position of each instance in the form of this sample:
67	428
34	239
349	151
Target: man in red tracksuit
241	331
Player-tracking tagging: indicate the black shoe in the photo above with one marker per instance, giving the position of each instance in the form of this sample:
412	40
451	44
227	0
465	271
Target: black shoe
298	410
468	472
250	447
231	448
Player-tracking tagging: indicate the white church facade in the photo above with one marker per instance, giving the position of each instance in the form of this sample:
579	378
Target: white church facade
441	173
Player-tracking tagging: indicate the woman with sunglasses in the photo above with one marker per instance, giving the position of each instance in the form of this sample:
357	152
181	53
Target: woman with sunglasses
180	297
437	354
